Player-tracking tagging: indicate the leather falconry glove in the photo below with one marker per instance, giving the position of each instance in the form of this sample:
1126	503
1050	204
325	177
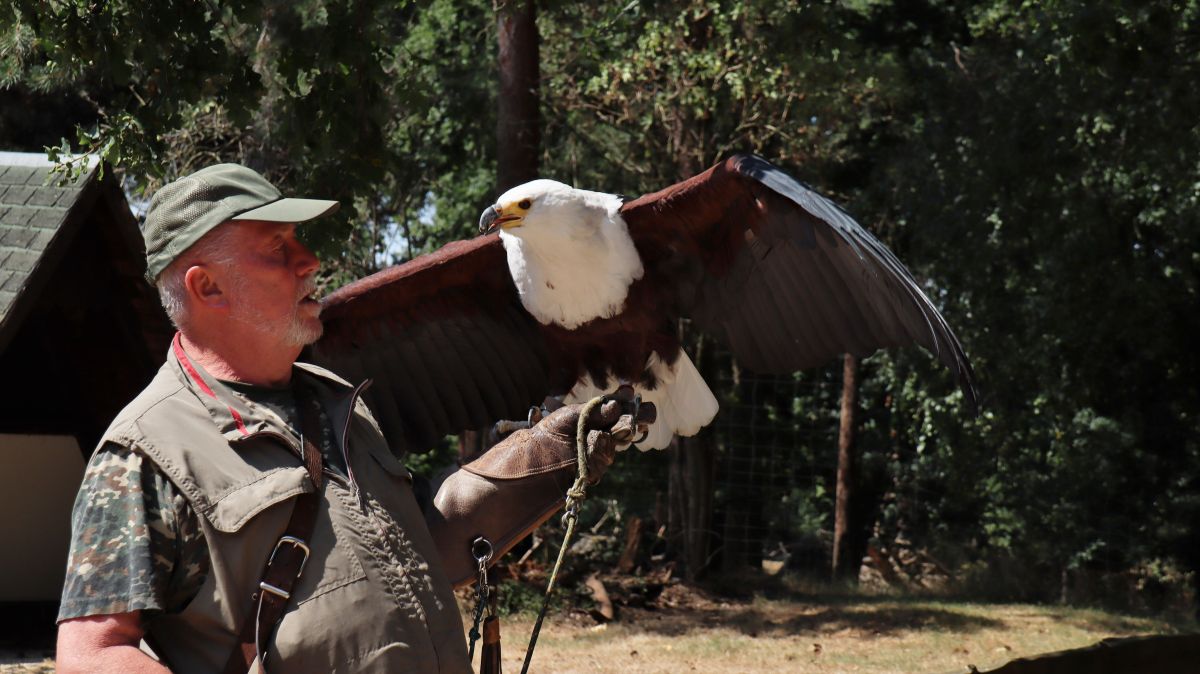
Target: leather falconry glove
519	483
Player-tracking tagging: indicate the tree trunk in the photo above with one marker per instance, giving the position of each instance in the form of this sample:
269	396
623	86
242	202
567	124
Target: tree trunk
517	134
517	128
691	489
692	474
844	566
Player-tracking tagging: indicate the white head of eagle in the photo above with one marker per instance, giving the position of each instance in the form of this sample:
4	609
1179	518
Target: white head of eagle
569	251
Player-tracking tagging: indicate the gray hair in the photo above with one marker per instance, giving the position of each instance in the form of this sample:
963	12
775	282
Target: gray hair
214	248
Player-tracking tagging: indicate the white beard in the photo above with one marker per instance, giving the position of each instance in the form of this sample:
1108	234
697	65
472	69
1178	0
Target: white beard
291	330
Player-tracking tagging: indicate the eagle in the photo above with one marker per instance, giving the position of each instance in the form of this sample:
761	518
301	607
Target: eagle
568	293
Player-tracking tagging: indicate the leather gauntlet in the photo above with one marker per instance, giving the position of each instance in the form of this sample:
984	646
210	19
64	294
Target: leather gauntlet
521	481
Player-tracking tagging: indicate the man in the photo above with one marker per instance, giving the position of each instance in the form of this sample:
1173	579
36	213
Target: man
194	498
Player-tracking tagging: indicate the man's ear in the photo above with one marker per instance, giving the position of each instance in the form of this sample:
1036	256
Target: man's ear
203	288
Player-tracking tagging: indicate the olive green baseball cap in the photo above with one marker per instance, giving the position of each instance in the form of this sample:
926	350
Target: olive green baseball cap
184	210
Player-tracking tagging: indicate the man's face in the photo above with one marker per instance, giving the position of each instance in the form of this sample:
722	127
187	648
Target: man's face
270	282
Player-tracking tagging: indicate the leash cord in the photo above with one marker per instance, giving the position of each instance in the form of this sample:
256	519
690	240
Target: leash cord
575	495
481	550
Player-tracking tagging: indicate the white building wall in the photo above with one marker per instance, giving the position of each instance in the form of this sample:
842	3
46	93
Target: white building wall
39	475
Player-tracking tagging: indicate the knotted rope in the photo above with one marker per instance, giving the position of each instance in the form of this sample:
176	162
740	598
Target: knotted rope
575	495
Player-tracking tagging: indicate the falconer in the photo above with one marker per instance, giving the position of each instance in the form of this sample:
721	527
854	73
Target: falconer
244	511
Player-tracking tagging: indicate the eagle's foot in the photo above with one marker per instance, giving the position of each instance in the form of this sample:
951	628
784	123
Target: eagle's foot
632	428
501	429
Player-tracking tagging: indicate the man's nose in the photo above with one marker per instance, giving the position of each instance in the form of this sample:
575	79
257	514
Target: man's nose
306	262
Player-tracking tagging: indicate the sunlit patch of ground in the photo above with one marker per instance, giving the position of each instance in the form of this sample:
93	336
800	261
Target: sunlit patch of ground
688	630
26	665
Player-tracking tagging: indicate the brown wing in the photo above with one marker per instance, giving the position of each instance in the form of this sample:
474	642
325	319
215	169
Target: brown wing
782	275
445	339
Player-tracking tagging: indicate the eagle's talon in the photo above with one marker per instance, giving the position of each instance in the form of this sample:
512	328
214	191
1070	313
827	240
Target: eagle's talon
644	429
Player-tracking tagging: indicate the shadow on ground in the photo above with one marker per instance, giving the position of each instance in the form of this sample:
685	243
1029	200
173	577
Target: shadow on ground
683	609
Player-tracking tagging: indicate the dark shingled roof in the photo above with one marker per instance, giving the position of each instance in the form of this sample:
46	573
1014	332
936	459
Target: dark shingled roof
79	326
33	207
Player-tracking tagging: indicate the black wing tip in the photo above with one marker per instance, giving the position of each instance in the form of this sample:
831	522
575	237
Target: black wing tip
966	381
760	169
786	185
756	166
752	165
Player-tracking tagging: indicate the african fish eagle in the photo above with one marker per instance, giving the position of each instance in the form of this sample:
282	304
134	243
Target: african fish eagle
579	292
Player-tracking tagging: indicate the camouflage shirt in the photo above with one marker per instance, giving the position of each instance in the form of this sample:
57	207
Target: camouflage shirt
136	542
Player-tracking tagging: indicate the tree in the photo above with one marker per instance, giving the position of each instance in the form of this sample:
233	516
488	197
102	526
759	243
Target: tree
373	103
1033	163
517	127
1041	165
846	556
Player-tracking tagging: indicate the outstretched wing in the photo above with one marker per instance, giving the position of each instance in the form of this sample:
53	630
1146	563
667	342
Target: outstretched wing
782	275
445	339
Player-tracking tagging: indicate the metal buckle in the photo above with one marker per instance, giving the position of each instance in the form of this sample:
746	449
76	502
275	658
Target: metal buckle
297	543
481	550
278	592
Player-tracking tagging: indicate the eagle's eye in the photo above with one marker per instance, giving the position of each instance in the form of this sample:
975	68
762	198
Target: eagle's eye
524	204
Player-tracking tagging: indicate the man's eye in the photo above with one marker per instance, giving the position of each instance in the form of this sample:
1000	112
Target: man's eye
524	204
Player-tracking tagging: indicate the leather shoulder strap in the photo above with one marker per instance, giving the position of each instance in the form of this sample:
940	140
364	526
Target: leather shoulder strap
286	563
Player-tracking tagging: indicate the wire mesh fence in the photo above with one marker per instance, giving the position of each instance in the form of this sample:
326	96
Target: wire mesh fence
776	465
925	517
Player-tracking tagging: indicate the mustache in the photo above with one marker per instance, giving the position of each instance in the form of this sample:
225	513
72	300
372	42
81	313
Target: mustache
308	287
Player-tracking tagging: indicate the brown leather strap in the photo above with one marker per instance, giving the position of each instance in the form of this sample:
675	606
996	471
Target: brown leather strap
287	560
489	656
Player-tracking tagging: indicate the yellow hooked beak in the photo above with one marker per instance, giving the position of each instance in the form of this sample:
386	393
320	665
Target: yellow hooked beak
494	218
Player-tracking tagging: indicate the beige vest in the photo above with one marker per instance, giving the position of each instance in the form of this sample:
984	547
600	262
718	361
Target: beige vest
372	597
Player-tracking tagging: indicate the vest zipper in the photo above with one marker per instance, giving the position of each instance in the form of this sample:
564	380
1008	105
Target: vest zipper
369	512
346	443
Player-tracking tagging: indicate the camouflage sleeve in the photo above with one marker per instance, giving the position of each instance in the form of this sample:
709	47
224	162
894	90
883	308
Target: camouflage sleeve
136	543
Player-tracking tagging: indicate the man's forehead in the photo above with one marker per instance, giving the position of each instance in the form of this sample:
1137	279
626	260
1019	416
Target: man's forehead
261	228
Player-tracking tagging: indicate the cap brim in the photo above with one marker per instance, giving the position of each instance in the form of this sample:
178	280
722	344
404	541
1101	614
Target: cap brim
290	210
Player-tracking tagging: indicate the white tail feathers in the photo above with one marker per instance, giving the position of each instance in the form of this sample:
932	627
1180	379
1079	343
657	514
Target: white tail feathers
685	403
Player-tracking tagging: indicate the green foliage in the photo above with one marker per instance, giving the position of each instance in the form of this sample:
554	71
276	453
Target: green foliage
649	93
514	598
1034	163
375	103
1044	165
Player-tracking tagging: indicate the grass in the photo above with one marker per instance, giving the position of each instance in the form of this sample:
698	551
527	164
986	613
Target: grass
798	629
688	629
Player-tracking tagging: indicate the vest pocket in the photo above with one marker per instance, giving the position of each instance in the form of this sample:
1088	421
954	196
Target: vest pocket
230	511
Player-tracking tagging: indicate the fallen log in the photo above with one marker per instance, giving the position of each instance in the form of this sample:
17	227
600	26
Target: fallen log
1129	655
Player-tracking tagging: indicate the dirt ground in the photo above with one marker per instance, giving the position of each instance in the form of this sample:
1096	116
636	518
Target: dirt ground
684	629
26	664
689	630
